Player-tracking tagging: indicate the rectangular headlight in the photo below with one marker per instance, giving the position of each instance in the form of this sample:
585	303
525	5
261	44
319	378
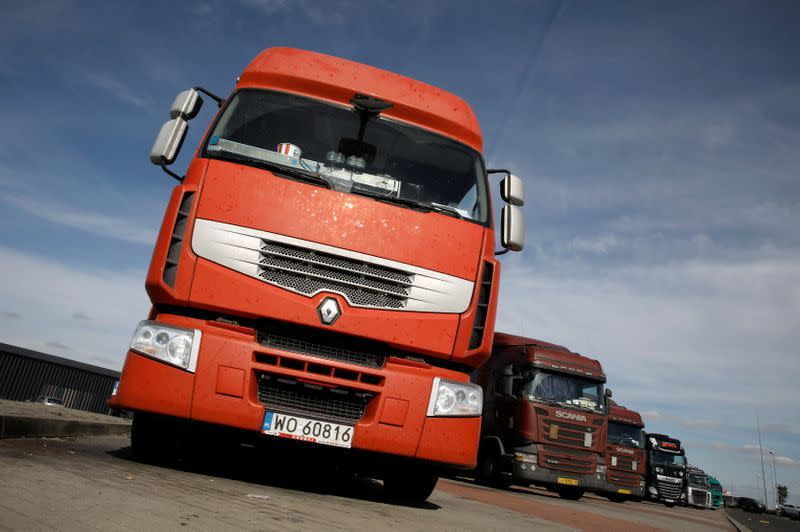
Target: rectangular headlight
455	399
174	345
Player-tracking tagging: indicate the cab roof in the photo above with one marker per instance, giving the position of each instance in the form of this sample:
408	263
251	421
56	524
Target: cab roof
338	80
621	414
551	356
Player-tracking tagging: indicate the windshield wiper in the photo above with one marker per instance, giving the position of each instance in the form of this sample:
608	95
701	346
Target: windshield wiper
579	407
419	205
302	175
447	209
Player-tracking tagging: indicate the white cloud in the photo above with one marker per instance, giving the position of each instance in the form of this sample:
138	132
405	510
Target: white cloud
113	87
699	423
44	293
682	333
98	224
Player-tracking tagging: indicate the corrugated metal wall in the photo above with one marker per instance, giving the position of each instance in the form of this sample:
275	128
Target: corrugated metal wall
26	374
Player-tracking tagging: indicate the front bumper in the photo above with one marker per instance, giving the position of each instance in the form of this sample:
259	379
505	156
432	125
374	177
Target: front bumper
224	390
530	472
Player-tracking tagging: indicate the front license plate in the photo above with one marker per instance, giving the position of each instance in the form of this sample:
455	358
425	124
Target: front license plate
304	429
626	492
568	481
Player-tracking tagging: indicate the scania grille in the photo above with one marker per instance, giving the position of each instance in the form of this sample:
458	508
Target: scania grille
623	479
566	460
622	462
308	272
568	434
322	344
292	396
668	489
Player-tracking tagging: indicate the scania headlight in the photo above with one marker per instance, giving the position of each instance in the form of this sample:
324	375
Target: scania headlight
170	344
659	470
451	398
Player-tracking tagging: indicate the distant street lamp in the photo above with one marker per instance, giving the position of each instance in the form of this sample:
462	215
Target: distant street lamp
774	478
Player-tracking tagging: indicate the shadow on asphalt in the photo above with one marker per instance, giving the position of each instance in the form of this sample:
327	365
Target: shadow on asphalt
299	470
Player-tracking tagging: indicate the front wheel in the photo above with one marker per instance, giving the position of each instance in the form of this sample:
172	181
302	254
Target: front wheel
154	439
571	494
489	469
411	485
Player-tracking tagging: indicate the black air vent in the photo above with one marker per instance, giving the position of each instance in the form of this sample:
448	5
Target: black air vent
176	242
483	307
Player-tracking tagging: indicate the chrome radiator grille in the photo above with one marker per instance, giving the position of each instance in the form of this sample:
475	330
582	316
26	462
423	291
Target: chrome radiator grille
669	490
308	272
310	268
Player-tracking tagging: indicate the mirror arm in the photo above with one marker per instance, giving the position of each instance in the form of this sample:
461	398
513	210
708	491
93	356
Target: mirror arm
501	252
497	171
211	95
171	173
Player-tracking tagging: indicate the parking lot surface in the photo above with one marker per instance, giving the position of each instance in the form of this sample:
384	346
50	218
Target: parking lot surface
763	521
92	483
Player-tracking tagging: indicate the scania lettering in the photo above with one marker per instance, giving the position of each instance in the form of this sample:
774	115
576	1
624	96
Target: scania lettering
624	453
666	469
325	271
543	417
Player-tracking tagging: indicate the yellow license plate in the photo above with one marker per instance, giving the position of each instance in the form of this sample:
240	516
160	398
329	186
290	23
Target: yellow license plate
568	481
626	492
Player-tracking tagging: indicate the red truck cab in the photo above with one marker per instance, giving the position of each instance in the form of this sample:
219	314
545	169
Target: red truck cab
544	417
625	455
325	270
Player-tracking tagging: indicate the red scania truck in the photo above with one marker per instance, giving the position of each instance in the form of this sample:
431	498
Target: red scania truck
325	270
625	456
544	415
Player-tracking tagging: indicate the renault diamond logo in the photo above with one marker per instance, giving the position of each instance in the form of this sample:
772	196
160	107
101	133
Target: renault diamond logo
329	311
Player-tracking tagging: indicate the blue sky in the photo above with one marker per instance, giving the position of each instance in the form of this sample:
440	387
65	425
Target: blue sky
659	143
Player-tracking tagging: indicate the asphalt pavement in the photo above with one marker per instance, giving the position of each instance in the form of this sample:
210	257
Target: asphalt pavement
763	521
93	483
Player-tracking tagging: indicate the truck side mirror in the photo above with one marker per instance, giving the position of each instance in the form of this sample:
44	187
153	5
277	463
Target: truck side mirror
512	228
508	381
168	142
609	393
512	190
186	105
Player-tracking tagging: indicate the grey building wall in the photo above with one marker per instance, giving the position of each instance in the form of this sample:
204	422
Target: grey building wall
26	374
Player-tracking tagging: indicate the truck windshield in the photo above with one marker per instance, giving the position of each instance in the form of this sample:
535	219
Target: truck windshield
562	389
387	160
696	479
658	457
624	434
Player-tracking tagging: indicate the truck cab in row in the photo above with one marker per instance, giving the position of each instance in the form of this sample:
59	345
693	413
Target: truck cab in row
544	417
666	469
625	455
325	270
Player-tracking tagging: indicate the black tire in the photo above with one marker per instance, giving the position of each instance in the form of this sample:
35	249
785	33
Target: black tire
571	494
489	469
413	485
154	439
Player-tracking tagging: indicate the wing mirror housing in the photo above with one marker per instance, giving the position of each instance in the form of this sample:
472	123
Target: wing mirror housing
172	134
512	190
513	228
169	141
186	105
